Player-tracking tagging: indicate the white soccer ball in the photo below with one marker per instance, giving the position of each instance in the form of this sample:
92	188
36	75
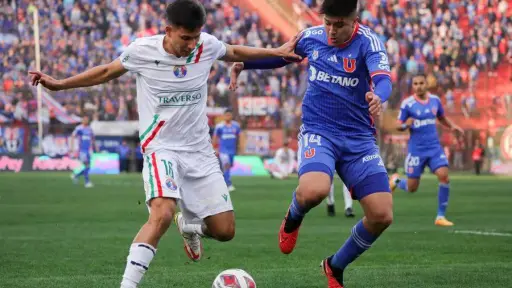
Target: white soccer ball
234	278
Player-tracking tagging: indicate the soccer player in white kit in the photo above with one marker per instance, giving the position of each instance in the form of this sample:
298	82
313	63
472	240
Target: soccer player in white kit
180	166
284	162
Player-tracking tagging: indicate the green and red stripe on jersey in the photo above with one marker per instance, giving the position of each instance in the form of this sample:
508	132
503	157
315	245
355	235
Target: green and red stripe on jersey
195	56
152	130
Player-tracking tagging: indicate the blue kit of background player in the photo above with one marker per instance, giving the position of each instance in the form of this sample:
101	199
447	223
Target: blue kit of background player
85	136
226	136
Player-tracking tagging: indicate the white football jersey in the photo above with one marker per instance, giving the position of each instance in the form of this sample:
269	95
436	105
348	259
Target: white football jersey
285	157
172	92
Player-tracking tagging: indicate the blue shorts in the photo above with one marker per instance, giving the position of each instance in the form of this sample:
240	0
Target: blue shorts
226	159
84	157
356	159
415	161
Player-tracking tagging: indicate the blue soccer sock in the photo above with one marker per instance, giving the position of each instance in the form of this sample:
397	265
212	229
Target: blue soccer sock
358	242
442	198
86	174
402	184
297	213
80	173
227	177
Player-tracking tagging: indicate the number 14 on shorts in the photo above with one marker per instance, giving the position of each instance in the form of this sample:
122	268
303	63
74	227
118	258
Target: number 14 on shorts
310	139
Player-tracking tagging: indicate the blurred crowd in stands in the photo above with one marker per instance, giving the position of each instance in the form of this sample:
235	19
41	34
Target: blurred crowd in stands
453	42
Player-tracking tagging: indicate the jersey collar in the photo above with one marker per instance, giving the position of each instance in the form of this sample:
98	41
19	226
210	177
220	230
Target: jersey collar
424	102
346	43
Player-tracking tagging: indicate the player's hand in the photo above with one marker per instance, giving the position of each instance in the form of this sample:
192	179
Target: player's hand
236	69
374	103
457	131
47	81
287	51
409	122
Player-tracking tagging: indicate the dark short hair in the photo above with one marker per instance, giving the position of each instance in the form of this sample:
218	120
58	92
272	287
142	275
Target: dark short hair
188	14
339	8
419	75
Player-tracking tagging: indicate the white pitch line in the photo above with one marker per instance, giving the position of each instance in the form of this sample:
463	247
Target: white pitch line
483	233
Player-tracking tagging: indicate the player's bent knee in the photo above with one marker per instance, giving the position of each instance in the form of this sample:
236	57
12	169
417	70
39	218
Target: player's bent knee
382	218
225	233
221	226
313	187
412	185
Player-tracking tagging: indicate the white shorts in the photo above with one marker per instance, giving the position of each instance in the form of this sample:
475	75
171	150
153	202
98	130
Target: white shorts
194	179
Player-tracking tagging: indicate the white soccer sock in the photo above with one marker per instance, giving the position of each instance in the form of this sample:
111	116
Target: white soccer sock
347	197
330	197
137	264
197	228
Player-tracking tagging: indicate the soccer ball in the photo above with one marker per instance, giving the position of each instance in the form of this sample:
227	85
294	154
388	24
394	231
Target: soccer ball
234	278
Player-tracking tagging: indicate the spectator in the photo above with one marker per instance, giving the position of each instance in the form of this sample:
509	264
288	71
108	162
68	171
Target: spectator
478	156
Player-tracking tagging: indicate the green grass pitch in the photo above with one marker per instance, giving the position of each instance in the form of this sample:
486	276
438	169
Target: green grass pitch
54	234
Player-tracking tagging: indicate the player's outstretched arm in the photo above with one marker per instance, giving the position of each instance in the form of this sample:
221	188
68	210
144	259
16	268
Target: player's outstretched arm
450	125
238	53
94	76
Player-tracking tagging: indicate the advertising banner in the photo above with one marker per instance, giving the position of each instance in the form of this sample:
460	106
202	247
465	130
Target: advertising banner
101	163
12	140
257	106
257	142
56	145
108	143
248	166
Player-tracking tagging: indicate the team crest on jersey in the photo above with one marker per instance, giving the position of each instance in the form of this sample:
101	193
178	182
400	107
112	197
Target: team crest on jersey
169	182
315	55
310	153
349	65
180	71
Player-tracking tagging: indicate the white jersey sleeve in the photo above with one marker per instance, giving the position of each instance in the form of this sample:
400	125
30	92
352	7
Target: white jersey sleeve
218	47
130	57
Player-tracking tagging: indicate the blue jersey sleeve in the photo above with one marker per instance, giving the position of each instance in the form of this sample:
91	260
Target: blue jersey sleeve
376	57
278	62
403	115
77	132
218	131
301	49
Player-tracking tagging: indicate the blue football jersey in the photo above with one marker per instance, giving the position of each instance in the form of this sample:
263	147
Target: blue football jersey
425	113
228	136
339	78
85	137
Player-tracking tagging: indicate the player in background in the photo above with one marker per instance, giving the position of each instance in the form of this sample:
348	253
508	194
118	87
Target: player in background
349	78
284	162
85	137
347	198
226	137
418	114
180	166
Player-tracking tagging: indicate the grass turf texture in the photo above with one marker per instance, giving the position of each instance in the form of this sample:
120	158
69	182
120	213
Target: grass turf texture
55	234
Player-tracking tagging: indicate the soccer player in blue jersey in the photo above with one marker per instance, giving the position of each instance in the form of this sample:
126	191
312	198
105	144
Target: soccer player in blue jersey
84	135
349	78
418	114
226	137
